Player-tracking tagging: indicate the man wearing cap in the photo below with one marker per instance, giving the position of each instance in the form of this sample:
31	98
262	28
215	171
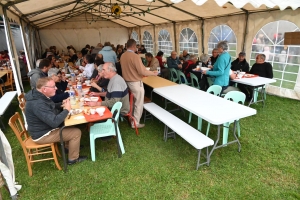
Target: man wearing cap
240	63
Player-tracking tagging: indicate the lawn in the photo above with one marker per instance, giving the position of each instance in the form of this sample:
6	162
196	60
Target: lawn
266	168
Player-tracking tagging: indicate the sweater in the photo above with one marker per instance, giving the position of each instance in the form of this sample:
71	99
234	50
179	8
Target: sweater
221	69
173	63
133	69
154	64
34	76
264	70
117	91
108	54
236	65
42	114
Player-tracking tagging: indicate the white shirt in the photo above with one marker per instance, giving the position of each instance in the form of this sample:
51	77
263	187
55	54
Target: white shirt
88	70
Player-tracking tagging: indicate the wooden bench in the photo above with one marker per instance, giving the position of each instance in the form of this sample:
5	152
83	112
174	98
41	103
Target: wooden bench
184	130
5	102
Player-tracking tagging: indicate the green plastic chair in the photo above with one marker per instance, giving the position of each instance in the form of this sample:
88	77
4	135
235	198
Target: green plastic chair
108	128
194	81
174	75
238	97
182	78
215	90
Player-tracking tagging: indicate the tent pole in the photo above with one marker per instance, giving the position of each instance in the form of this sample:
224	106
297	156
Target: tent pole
29	63
202	35
246	30
155	44
175	38
12	50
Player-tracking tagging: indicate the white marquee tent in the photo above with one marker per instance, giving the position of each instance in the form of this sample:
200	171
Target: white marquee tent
196	25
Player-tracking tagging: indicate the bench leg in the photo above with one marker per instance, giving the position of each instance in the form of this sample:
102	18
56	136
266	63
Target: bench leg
198	160
166	133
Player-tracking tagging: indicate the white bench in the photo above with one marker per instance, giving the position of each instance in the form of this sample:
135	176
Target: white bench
5	102
184	130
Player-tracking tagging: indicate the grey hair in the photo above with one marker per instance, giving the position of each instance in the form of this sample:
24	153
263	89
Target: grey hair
100	67
52	71
204	58
223	45
262	56
192	57
111	67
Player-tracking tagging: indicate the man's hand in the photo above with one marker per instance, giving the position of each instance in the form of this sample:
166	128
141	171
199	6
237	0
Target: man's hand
180	66
93	84
94	94
155	73
203	71
67	104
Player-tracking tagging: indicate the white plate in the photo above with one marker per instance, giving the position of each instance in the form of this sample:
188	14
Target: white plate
205	68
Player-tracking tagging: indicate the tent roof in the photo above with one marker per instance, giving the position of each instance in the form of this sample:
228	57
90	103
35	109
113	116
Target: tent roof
138	12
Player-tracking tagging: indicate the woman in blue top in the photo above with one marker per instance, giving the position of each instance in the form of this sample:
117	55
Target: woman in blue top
221	67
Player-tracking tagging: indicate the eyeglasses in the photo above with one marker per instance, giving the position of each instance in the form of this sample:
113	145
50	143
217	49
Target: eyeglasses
50	86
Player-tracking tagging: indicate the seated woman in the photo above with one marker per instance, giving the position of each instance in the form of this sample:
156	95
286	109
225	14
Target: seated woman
95	76
188	66
61	85
99	87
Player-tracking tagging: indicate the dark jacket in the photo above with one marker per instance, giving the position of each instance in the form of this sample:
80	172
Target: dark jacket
236	65
60	93
42	114
213	60
173	63
103	83
263	70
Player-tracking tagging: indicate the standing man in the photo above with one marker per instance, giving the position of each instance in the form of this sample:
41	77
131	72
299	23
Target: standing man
173	61
44	119
41	71
133	71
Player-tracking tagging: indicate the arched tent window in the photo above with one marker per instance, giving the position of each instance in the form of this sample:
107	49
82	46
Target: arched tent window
188	41
164	42
269	41
135	36
220	33
148	42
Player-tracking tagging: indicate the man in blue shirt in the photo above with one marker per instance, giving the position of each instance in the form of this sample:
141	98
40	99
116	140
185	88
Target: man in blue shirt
173	61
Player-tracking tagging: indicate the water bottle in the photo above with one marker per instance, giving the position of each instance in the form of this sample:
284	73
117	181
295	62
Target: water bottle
73	77
72	96
158	70
79	87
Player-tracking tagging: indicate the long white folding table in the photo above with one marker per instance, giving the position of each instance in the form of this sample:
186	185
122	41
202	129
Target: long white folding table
254	84
213	109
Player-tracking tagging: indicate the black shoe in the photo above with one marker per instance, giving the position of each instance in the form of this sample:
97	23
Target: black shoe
79	159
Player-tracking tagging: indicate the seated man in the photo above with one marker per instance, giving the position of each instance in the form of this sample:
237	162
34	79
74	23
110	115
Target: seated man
260	68
152	62
61	86
44	119
165	72
117	89
41	71
240	63
184	56
215	55
173	61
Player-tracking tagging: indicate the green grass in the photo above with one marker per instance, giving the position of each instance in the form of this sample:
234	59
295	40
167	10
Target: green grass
266	168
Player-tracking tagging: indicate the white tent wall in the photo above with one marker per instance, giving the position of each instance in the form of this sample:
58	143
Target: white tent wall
79	32
196	27
151	30
256	22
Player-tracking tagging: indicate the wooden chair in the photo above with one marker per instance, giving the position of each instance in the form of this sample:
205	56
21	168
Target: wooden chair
21	98
8	84
30	148
130	114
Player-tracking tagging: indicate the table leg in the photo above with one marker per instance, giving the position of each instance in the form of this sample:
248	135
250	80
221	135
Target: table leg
63	148
215	145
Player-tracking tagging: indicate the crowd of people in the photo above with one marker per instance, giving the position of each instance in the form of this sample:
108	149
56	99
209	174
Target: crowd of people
114	72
